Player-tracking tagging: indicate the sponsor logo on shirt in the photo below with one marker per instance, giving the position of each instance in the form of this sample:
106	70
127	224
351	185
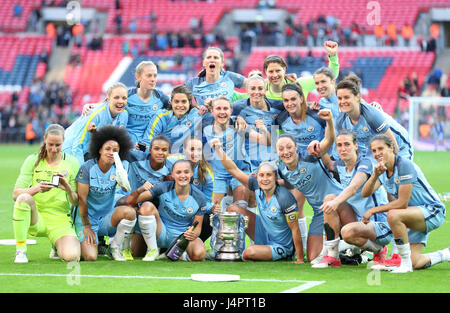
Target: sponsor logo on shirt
405	177
290	209
381	127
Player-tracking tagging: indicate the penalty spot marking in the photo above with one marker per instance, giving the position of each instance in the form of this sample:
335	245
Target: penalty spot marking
305	284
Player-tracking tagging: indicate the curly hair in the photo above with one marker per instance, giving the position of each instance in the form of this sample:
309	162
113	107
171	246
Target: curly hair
110	132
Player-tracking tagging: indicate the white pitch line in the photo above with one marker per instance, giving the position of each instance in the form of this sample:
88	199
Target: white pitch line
306	284
303	287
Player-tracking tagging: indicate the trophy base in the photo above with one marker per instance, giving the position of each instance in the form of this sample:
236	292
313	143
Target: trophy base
228	257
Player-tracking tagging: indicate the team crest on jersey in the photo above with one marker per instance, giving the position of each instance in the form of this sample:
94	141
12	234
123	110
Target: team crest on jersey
310	128
303	170
366	129
229	138
155	107
223	84
196	182
273	209
112	178
188	123
396	180
189	210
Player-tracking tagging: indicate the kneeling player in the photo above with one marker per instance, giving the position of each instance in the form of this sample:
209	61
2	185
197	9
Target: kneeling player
275	228
180	205
415	209
347	208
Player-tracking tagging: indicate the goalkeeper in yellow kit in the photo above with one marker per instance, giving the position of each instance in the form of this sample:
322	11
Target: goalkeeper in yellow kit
44	193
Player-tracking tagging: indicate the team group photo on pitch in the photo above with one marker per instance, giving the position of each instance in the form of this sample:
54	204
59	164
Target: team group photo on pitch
213	173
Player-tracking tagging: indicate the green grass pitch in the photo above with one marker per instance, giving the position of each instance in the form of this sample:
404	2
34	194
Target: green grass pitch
42	274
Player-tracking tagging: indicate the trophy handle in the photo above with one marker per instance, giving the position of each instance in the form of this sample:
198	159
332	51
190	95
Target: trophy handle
245	221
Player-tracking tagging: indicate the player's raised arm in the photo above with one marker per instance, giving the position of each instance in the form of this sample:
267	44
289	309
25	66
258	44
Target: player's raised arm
228	163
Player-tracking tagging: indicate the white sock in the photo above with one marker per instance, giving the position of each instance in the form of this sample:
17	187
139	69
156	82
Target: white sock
303	231
124	228
147	225
371	246
404	251
394	248
435	257
332	248
126	243
324	246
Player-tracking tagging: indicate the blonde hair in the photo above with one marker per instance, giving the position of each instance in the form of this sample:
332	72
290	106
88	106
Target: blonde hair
140	68
255	74
114	86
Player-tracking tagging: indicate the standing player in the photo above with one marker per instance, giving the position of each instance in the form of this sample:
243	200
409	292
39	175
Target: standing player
275	69
232	140
213	81
415	208
97	180
405	149
180	205
325	81
144	100
274	228
77	136
178	123
258	108
309	175
361	118
42	208
343	212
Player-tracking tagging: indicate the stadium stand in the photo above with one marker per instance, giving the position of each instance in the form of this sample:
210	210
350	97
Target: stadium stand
399	12
381	68
20	63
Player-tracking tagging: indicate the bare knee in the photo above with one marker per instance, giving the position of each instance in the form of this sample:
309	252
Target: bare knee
127	213
240	193
348	232
69	252
393	217
198	253
70	255
147	209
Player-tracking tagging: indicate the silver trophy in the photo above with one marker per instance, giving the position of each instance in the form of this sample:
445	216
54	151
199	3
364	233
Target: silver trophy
228	233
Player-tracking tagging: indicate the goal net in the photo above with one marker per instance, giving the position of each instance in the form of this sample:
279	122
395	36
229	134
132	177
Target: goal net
429	123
